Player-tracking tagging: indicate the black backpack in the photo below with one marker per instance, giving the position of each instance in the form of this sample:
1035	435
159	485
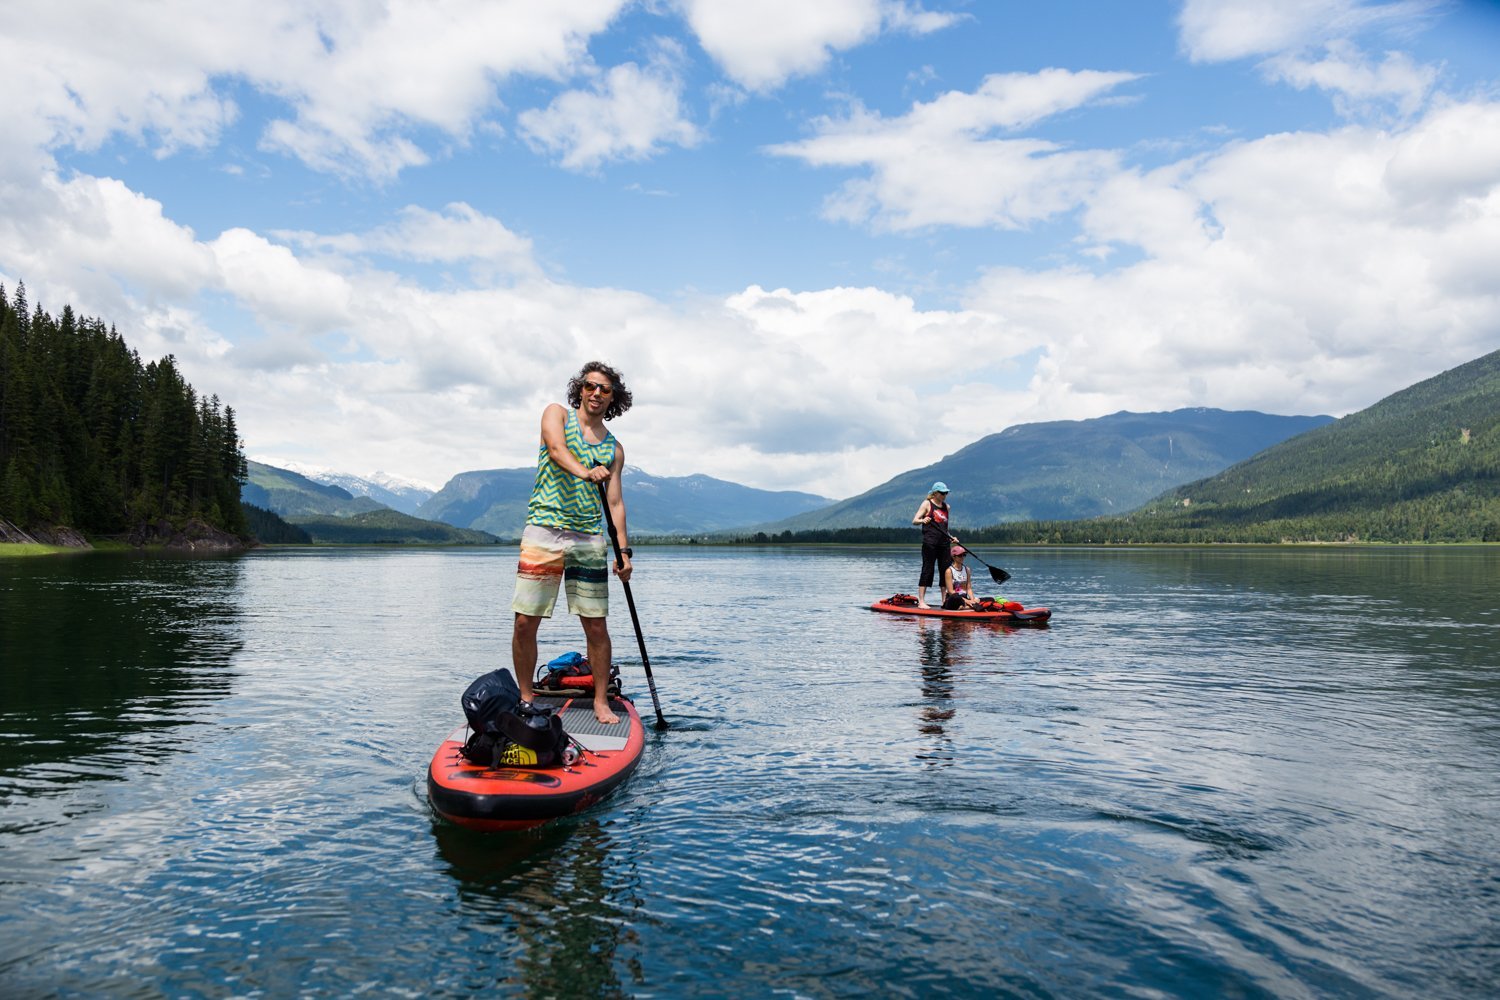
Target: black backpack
508	732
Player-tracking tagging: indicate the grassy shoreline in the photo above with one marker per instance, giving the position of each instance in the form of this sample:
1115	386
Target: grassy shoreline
22	550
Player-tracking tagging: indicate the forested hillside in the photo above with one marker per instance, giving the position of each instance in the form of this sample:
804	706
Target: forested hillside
268	527
387	527
92	438
1065	469
1421	465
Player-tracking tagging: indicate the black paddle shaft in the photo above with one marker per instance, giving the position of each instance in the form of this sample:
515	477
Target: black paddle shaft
614	540
996	573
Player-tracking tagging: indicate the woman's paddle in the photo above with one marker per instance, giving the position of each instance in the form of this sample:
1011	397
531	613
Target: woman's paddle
614	539
996	573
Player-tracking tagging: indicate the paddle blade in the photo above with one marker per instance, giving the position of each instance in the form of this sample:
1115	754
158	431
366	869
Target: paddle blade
998	575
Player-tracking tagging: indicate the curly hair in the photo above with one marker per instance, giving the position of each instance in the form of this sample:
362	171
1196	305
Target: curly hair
619	400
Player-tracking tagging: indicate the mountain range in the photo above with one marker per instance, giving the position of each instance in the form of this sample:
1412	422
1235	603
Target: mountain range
1058	469
1066	469
292	494
392	491
382	487
1421	464
495	500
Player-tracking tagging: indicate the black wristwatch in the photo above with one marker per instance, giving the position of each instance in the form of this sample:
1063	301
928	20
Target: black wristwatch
629	552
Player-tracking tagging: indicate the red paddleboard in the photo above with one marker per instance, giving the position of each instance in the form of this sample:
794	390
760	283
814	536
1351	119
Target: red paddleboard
1024	616
517	798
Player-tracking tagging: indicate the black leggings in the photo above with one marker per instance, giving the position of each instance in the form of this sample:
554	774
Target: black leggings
935	555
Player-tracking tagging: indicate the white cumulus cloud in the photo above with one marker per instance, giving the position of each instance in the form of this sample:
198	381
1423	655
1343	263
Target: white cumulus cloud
1218	30
1356	83
1285	274
458	233
355	80
1312	43
280	288
631	113
95	239
941	164
760	45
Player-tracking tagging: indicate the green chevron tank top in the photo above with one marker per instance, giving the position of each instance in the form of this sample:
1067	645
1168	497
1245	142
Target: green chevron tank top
560	499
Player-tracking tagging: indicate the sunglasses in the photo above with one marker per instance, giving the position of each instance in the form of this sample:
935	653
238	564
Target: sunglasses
599	387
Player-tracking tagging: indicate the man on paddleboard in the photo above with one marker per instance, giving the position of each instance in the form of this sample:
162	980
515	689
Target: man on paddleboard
562	542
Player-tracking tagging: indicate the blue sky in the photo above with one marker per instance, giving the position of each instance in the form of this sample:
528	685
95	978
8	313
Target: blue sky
826	243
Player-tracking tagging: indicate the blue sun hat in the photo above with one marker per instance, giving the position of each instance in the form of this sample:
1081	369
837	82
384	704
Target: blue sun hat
939	487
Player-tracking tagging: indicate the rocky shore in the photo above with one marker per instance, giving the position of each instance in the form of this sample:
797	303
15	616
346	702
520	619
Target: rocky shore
193	536
43	535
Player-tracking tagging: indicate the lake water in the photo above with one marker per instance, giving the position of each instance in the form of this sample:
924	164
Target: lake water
1227	772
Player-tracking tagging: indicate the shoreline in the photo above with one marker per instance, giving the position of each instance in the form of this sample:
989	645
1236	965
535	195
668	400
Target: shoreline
194	535
34	549
26	550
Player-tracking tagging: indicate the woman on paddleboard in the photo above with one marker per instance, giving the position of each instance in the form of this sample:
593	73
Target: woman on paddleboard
932	517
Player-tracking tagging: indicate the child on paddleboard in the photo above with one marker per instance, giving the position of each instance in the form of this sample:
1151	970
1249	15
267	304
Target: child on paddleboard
958	583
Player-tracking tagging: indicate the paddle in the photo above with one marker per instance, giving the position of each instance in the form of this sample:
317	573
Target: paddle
614	539
997	574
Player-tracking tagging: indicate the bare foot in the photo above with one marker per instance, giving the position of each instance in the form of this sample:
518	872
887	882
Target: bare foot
924	606
603	713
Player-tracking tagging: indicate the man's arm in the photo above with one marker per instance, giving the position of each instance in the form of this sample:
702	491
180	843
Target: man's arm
555	439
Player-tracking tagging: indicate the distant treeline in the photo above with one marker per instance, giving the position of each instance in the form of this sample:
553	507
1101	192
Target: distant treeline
92	438
387	527
1447	518
1417	522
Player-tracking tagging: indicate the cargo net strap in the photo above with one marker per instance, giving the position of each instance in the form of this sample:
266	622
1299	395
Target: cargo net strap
586	690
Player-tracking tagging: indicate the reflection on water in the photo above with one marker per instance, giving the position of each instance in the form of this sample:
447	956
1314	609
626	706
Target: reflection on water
106	662
935	660
938	640
944	654
552	895
1245	772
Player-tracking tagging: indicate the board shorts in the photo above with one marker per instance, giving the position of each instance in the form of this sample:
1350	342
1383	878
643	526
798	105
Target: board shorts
576	559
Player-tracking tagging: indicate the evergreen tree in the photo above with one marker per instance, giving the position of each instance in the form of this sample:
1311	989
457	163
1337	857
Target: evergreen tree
92	438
